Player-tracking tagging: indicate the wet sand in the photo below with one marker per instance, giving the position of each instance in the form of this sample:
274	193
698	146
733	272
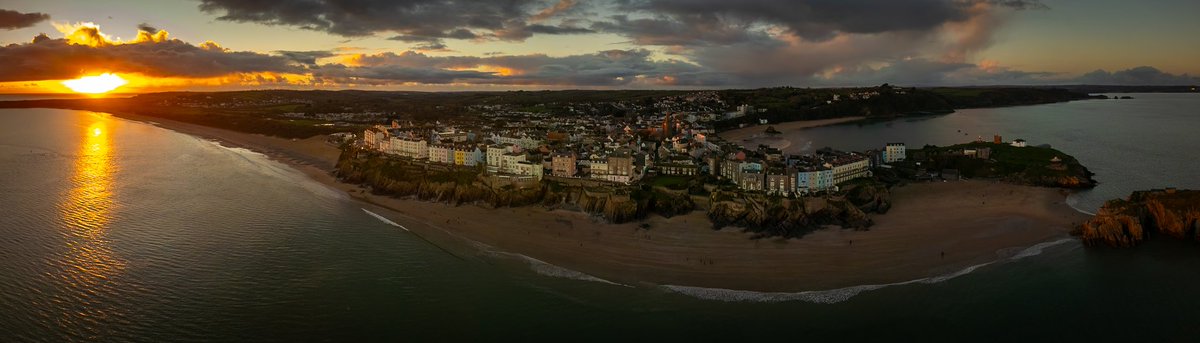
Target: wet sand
971	222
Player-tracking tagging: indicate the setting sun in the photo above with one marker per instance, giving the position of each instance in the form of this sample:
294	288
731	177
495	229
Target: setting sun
97	84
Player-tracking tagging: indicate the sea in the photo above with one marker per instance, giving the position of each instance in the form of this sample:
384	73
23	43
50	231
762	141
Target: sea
120	231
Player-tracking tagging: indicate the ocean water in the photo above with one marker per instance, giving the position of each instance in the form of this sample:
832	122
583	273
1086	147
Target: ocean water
114	230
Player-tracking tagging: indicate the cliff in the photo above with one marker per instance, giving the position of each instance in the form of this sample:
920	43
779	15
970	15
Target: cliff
762	214
459	186
1127	222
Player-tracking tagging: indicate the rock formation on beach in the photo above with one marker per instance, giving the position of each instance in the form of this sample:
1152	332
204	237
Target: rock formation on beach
778	216
1127	222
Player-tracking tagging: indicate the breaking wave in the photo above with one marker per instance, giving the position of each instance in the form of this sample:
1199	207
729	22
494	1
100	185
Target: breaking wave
542	267
385	220
842	294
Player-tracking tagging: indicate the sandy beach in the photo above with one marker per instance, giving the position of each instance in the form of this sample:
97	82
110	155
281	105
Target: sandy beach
971	222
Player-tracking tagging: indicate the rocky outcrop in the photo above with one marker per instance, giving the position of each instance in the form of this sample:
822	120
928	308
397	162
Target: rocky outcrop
1125	223
870	197
1073	181
772	216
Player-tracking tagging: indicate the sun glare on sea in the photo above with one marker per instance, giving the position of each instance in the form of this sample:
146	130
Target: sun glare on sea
97	84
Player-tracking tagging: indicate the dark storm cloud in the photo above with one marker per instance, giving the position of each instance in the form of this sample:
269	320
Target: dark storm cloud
51	59
1144	75
692	29
305	57
430	19
415	36
12	20
812	19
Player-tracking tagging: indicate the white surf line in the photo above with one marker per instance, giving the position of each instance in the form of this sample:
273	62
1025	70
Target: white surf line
833	296
385	220
1073	200
547	269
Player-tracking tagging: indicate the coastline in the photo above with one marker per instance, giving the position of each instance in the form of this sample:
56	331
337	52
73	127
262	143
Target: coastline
756	132
684	250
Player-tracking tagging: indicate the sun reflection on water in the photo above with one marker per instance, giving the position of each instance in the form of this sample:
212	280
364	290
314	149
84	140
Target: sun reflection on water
87	212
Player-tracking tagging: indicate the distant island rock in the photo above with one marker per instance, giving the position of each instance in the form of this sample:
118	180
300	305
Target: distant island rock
1127	222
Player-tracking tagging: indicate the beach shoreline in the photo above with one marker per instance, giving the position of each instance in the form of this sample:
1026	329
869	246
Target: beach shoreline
978	222
756	133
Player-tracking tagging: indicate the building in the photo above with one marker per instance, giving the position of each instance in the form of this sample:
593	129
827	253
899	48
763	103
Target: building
523	141
667	128
750	176
679	165
894	152
528	168
474	157
1020	143
509	161
997	139
780	181
374	136
849	167
563	164
410	147
620	164
495	155
440	154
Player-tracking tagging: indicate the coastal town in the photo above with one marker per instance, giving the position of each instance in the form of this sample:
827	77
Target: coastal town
531	146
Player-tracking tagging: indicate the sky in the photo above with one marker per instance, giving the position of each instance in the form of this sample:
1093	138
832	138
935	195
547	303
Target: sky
438	45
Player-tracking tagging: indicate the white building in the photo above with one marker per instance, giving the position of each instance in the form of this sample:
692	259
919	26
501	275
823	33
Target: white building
509	161
528	168
894	152
410	147
1020	143
524	142
495	155
439	154
849	168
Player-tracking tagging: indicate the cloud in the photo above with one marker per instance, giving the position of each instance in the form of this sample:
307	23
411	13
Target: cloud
787	42
429	19
562	6
1144	76
821	19
305	57
12	20
605	68
147	28
86	50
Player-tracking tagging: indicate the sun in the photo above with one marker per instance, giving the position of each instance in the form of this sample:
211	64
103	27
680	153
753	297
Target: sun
97	84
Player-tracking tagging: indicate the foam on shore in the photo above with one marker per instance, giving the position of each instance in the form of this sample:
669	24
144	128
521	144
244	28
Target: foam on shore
385	220
1073	202
842	294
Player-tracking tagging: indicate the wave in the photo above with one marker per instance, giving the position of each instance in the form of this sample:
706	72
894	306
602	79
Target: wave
547	269
264	164
385	220
842	294
1073	202
542	267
